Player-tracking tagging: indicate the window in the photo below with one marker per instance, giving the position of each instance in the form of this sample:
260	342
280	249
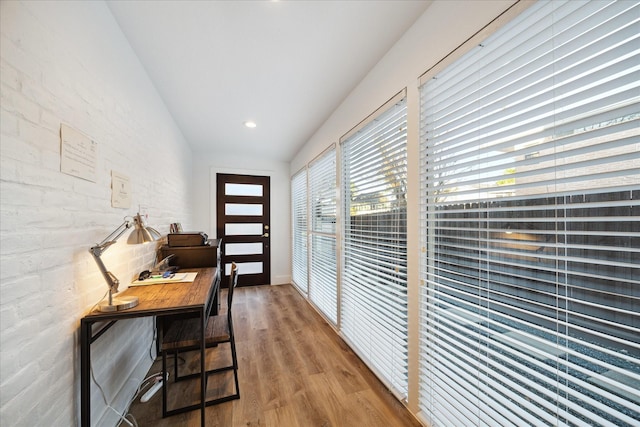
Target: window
373	303
323	289
530	280
300	232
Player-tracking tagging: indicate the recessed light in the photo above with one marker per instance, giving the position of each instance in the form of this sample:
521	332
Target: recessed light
250	124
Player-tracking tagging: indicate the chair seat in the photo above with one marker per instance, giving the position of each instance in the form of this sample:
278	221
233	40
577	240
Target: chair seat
185	334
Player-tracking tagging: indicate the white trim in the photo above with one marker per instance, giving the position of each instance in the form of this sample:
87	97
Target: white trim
493	26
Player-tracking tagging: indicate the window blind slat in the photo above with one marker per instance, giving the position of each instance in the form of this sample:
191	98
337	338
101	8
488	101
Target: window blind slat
299	272
323	289
530	274
374	283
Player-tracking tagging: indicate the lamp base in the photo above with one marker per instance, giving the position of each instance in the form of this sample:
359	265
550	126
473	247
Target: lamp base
118	304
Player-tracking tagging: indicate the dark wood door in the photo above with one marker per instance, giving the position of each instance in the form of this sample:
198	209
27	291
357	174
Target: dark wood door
243	225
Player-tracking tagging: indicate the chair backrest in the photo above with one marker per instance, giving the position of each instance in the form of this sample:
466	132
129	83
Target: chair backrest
233	282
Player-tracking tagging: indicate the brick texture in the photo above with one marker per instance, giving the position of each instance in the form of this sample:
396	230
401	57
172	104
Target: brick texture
68	62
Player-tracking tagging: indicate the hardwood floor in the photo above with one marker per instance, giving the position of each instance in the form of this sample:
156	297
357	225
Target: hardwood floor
294	370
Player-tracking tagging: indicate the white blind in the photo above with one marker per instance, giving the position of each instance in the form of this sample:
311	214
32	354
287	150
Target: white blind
299	231
530	279
373	305
323	291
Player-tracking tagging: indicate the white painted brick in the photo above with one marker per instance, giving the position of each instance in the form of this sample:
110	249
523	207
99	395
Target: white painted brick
28	308
50	159
8	125
9	356
60	199
17	104
9	172
48	284
22	403
36	177
9	76
20	60
8	317
17	243
64	238
19	150
21	268
56	411
15	411
48	219
50	120
15	194
8	214
18	336
36	93
47	339
39	137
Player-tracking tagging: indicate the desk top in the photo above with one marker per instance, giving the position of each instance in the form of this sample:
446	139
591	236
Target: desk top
165	298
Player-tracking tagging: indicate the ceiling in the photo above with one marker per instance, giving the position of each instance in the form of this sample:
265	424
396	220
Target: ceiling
287	65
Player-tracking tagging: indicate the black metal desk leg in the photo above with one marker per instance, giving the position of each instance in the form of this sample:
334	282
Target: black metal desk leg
203	372
85	366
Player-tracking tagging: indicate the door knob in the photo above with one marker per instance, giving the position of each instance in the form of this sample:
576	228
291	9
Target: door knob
265	235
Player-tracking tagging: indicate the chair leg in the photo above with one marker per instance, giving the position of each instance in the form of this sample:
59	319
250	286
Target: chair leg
164	385
234	357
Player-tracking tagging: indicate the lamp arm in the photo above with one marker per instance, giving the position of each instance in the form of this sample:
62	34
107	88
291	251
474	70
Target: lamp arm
115	234
98	250
142	234
109	277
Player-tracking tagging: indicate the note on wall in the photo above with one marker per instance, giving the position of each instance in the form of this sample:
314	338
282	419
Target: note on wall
120	190
78	154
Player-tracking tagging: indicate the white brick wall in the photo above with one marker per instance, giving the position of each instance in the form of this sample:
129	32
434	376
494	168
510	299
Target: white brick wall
68	62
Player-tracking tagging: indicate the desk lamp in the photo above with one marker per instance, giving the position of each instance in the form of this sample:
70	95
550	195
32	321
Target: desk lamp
140	234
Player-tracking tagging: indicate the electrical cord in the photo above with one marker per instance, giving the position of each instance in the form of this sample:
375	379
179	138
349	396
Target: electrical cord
144	384
104	398
153	340
148	381
135	423
96	304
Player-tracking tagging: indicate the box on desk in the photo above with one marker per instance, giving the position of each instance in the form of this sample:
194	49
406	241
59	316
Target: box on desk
186	239
192	256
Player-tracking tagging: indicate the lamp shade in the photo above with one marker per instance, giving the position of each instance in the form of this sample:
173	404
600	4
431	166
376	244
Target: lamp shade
141	233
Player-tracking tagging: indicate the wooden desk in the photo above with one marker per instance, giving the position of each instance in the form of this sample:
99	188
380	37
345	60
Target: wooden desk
196	298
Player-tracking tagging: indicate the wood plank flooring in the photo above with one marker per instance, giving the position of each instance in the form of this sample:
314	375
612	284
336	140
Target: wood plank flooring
294	370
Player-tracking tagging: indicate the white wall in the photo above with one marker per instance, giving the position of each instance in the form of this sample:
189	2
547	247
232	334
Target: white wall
68	62
442	27
205	167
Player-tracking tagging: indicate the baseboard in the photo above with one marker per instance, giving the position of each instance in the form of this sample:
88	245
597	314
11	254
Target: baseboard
281	280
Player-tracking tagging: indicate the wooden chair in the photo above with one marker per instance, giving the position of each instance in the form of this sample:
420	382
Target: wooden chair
184	335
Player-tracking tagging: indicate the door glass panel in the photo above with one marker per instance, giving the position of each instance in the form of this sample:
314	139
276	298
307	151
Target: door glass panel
245	268
242	209
242	248
242	189
243	229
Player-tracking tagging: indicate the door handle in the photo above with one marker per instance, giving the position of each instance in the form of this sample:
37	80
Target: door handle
265	235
